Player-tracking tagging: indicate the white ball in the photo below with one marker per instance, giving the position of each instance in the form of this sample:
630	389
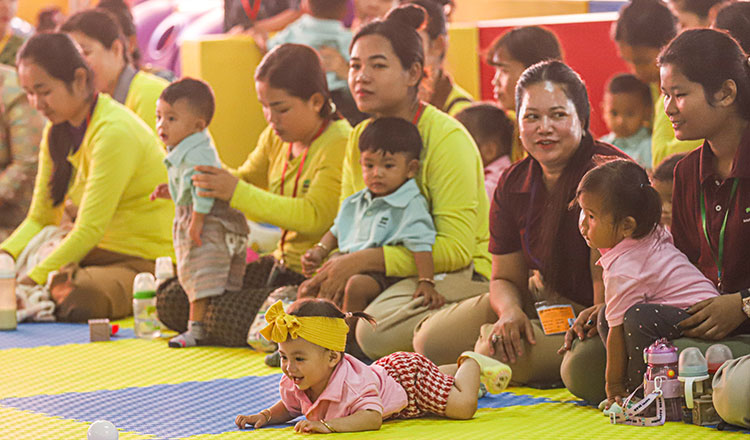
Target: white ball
102	430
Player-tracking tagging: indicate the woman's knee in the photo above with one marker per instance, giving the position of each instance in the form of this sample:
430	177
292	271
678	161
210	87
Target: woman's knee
426	340
731	387
583	368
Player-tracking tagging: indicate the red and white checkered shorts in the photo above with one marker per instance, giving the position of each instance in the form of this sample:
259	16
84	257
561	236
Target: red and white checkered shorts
426	387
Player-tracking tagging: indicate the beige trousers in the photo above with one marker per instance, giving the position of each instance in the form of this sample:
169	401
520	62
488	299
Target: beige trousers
100	286
462	326
732	391
398	313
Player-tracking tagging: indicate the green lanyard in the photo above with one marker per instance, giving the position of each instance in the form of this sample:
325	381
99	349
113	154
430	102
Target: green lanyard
720	258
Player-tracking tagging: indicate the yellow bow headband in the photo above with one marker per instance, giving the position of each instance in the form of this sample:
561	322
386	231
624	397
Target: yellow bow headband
327	332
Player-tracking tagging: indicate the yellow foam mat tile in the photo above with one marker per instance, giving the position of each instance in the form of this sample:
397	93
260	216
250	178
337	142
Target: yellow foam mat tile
564	421
29	425
124	323
121	364
559	421
561	394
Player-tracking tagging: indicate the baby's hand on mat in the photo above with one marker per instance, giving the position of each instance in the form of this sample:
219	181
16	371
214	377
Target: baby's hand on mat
256	420
310	427
160	192
431	298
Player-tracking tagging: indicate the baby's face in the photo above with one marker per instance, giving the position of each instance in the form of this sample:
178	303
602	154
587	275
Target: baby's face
176	121
384	173
624	113
664	188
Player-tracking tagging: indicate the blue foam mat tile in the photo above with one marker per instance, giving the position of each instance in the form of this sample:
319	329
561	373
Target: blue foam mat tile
506	399
166	411
37	334
190	408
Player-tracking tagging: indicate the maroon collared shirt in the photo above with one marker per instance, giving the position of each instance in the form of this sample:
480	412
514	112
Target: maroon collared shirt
693	174
516	222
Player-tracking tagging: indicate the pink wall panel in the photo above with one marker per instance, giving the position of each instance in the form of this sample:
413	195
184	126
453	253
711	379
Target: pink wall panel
587	48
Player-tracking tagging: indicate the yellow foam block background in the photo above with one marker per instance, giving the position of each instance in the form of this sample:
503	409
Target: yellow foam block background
462	57
228	65
476	10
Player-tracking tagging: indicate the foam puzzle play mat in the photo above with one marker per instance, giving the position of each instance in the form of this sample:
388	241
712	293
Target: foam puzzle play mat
55	384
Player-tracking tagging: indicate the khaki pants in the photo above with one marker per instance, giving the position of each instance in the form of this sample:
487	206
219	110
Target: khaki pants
100	286
397	313
584	365
732	391
459	327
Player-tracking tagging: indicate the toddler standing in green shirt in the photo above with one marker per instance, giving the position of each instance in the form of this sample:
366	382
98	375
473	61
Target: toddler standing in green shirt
210	238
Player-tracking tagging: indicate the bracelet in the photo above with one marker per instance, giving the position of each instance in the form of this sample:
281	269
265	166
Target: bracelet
322	246
745	298
267	414
327	425
427	280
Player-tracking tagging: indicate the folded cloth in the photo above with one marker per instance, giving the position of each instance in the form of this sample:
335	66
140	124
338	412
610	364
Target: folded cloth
39	248
35	303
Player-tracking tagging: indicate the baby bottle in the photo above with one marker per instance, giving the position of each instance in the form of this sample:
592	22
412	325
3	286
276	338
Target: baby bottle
7	292
144	306
716	355
693	371
164	270
661	357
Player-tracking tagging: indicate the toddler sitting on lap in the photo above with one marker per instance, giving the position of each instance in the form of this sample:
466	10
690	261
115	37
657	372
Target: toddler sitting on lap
390	211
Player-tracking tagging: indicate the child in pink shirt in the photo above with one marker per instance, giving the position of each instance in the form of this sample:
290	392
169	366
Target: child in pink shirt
620	215
338	393
493	133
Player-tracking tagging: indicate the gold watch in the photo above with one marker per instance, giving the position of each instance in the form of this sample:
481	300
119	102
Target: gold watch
745	295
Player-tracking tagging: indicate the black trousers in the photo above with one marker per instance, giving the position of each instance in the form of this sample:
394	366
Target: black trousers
643	324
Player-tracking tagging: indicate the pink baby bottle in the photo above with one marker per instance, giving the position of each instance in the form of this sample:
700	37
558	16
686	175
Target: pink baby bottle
662	361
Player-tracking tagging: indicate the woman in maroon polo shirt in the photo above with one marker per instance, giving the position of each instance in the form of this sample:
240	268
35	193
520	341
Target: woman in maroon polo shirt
531	227
705	77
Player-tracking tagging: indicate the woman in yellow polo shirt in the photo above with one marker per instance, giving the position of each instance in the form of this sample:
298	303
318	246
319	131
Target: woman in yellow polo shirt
387	61
292	180
105	49
97	154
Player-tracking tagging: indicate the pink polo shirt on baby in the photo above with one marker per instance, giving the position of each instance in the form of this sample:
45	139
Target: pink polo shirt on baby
353	386
650	270
492	173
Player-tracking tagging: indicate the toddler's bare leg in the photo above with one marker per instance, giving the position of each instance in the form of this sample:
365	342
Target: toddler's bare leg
462	400
359	292
198	309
